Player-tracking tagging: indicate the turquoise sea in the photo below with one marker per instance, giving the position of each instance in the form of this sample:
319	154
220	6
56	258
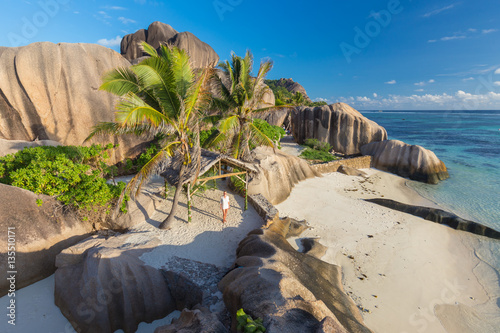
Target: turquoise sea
468	142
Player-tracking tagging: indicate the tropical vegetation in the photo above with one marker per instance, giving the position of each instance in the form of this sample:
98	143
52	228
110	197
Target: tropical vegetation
74	175
162	96
285	97
238	98
317	151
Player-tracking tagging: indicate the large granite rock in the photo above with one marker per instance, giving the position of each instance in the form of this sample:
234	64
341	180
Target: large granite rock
411	161
40	233
293	87
102	285
439	216
343	127
202	55
289	290
278	173
51	92
276	117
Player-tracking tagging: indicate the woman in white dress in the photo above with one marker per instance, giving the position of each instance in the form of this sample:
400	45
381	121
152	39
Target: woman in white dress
224	205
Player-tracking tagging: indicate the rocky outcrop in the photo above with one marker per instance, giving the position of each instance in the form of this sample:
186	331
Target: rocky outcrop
289	290
293	87
278	173
439	216
198	320
40	233
13	146
51	92
343	127
202	55
276	117
414	162
347	170
102	285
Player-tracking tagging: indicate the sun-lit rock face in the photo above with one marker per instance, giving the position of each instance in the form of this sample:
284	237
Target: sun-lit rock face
411	161
343	127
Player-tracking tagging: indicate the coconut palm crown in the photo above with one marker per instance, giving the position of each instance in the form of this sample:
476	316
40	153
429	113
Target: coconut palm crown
162	97
238	96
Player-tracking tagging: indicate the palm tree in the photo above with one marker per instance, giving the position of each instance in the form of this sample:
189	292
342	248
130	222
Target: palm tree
238	96
162	97
298	98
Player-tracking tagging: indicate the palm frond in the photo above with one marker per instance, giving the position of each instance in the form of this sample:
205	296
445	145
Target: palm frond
132	110
258	137
119	129
120	81
149	49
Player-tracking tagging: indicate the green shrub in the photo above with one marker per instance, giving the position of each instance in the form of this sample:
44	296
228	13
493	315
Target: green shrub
317	155
317	145
74	175
275	133
207	135
248	325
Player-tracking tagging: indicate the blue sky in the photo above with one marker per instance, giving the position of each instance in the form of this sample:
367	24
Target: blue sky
371	54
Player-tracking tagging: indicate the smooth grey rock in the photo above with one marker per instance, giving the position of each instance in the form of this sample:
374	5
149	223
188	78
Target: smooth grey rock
343	127
410	161
439	216
347	170
40	233
198	320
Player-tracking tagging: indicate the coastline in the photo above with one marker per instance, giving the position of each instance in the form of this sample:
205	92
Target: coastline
405	274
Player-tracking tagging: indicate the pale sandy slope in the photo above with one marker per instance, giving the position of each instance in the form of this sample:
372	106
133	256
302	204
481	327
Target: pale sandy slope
396	267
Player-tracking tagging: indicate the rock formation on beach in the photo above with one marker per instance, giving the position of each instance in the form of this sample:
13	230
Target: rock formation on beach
291	291
197	320
439	216
51	92
293	87
102	285
40	233
343	127
414	162
278	173
202	54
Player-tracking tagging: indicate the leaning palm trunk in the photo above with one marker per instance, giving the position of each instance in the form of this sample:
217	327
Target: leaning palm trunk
167	223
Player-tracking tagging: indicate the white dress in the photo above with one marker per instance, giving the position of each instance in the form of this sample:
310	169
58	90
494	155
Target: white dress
225	202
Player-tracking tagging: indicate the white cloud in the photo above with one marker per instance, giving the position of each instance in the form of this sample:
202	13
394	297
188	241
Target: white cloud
431	41
440	10
444	39
320	99
110	42
391	82
375	95
115	8
497	71
419	90
126	20
472	30
458	101
489	31
431	81
496	83
468	79
474	71
420	84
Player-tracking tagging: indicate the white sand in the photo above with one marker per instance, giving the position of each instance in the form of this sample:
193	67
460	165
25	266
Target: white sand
396	267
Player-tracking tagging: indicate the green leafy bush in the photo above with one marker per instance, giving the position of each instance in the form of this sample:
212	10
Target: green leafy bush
317	145
247	325
74	175
317	155
275	133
